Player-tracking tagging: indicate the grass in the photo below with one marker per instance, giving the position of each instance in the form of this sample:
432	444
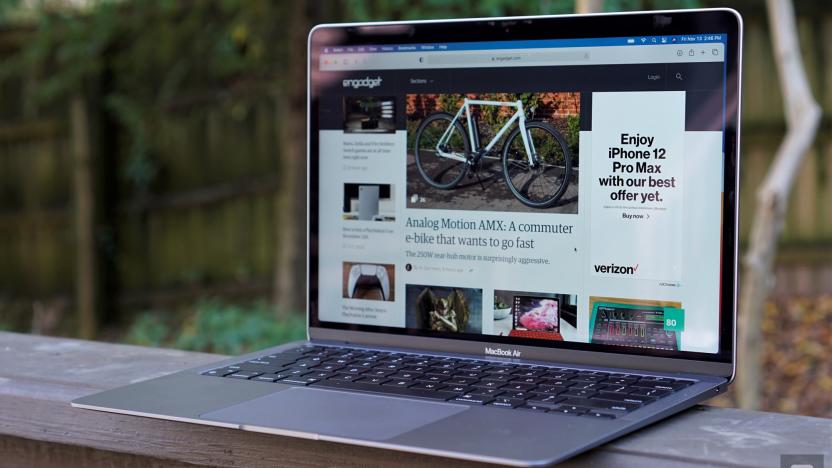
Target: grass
217	327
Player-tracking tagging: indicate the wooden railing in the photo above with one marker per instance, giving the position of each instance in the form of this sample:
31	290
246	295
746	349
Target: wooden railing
38	428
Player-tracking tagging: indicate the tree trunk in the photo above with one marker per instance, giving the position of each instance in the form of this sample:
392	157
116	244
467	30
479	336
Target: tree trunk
802	119
86	286
589	6
290	216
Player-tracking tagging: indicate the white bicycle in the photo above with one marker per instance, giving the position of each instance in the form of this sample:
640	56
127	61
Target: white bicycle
535	157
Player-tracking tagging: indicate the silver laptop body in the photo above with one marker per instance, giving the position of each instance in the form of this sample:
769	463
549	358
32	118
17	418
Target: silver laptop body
493	316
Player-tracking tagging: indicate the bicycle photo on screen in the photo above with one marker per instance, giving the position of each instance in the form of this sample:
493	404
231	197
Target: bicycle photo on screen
494	151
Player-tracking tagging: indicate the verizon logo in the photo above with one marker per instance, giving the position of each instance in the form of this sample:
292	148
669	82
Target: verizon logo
502	352
616	269
362	83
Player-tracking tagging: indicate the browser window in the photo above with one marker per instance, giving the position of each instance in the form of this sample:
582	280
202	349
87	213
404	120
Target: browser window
544	192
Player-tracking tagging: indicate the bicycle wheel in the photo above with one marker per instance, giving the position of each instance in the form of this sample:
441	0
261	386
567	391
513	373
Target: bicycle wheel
439	171
538	185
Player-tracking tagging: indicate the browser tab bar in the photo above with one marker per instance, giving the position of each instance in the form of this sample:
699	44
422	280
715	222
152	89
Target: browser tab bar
426	57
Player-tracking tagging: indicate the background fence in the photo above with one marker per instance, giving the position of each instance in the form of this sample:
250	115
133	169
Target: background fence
207	220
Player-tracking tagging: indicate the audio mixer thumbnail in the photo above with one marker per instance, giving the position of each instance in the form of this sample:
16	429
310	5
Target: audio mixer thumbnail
639	326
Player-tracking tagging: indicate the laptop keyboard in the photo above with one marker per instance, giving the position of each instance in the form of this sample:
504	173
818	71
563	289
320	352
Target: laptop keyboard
571	391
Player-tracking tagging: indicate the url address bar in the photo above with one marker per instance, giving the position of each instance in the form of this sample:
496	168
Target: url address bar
520	57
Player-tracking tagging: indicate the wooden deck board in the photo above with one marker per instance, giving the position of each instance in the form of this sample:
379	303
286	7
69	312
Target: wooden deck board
39	376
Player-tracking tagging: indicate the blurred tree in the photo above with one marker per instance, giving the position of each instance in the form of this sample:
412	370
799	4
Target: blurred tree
803	115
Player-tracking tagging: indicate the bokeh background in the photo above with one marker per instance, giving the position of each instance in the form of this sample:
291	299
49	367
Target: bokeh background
152	164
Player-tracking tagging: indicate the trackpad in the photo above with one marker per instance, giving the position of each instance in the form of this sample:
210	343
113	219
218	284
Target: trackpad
319	411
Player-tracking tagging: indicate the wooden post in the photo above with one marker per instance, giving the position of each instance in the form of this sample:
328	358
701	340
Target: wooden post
802	120
589	6
290	268
86	287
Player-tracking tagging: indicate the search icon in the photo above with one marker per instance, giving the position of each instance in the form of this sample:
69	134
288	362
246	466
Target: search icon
679	76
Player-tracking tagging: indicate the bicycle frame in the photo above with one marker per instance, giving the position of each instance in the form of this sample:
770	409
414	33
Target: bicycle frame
519	115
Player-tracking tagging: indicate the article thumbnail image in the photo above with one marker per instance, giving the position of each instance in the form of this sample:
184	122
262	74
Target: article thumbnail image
635	322
449	168
543	316
369	114
443	309
369	202
370	281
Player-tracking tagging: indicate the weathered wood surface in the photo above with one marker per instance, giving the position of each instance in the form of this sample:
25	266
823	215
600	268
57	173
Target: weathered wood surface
39	376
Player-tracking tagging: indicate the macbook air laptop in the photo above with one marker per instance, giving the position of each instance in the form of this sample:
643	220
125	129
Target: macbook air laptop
562	265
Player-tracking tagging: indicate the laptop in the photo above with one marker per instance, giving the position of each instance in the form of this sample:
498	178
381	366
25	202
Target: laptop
561	265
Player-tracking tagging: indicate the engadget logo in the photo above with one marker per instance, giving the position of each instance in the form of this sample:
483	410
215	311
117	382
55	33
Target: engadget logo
616	269
502	352
363	83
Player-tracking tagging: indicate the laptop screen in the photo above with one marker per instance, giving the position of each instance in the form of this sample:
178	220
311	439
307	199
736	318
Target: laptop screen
563	192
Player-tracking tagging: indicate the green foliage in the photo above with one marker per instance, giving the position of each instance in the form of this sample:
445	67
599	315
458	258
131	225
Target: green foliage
145	56
218	327
572	135
374	10
450	102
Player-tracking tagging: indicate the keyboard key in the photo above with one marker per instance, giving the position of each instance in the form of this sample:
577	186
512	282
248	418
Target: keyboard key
641	400
518	387
372	380
550	400
329	367
297	381
471	399
245	375
457	388
398	375
263	366
318	375
556	383
344	377
267	378
585	386
507	402
487	384
431	378
460	381
516	395
570	409
398	383
427	386
496	378
219	372
618	381
528	380
547	390
602	404
650	392
596	414
579	393
615	389
485	391
587	378
500	370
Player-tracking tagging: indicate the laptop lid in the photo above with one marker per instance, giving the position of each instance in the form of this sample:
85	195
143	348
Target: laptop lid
561	188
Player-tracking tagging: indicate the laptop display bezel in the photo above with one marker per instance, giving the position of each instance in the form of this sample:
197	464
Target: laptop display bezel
550	27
